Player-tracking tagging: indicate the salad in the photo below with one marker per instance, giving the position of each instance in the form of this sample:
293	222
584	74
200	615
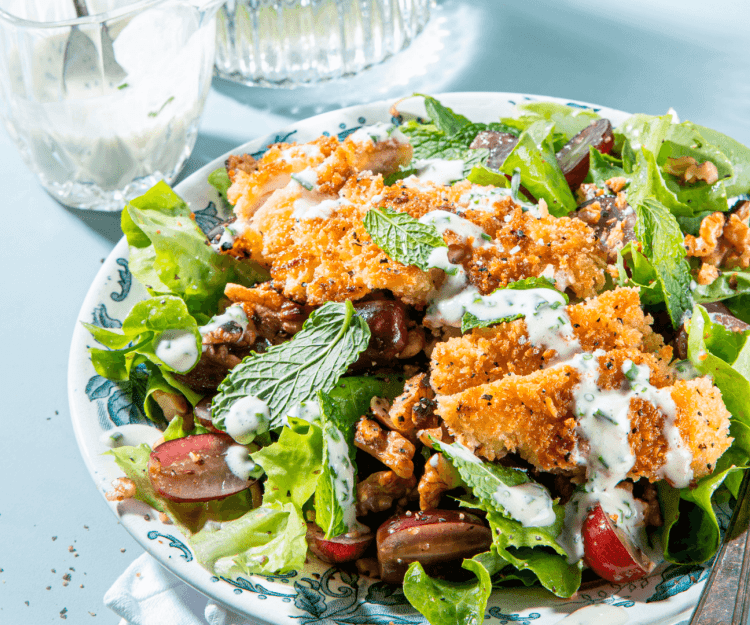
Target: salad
451	355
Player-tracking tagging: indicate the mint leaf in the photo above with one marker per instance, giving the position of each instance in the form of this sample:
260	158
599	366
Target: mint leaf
335	497
444	118
662	240
331	339
401	236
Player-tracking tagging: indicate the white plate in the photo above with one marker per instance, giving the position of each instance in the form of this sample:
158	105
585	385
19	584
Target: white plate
317	594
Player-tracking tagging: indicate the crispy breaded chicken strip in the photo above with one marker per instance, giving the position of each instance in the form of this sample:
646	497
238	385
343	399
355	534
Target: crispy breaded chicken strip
534	416
612	320
331	161
318	255
526	243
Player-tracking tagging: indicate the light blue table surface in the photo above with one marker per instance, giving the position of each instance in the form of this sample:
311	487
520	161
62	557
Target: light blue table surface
643	57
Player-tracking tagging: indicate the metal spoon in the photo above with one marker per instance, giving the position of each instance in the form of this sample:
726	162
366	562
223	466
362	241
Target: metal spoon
81	57
726	595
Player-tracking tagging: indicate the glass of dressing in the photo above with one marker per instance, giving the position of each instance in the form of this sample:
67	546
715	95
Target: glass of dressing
104	106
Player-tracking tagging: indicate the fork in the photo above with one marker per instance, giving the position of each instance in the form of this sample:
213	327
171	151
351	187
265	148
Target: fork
726	595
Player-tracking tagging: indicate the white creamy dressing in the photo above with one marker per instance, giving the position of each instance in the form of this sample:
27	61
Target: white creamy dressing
247	418
598	614
239	462
604	422
306	410
307	178
234	314
444	220
305	209
342	469
177	349
530	504
547	321
484	198
131	435
378	132
107	133
439	170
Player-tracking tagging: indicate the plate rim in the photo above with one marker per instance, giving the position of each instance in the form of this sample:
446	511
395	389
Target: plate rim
129	519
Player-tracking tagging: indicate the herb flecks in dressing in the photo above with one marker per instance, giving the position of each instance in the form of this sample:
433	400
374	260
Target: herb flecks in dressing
238	461
604	422
247	418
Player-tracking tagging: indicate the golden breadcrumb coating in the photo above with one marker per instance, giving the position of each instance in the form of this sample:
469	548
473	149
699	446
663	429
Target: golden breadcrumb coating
533	416
611	320
314	259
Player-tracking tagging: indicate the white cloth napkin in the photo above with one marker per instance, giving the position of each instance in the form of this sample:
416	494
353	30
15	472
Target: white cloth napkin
147	594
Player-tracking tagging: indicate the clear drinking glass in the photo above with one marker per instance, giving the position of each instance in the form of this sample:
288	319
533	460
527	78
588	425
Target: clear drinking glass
104	106
283	43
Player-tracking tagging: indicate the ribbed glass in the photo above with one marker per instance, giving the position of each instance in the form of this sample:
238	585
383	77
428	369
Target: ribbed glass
285	43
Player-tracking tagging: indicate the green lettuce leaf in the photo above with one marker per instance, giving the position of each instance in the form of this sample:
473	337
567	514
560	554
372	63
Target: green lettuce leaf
352	394
729	284
642	274
404	238
640	131
285	375
662	241
176	429
725	356
264	541
737	154
691	533
449	603
139	336
292	464
602	167
535	549
219	180
534	156
486	479
169	253
335	497
568	120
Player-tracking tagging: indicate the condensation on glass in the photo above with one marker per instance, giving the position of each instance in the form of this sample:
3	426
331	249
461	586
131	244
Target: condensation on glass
291	42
